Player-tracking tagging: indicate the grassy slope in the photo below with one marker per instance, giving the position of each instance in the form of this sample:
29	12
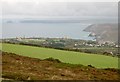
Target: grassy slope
99	61
25	68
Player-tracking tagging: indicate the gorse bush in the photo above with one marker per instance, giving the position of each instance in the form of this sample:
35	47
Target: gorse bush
53	60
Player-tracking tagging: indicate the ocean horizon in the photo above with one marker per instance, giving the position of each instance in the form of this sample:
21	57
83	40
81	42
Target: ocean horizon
71	28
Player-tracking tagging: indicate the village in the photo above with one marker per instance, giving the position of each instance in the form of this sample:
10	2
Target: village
87	46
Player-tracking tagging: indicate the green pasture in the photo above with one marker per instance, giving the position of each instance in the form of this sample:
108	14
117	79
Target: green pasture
99	61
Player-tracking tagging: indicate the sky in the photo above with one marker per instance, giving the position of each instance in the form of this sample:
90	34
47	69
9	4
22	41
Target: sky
58	8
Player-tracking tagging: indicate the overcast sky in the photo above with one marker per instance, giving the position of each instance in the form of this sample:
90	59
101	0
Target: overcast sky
56	8
36	8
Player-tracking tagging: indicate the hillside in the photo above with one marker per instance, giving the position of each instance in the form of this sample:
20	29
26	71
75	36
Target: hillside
18	67
104	32
99	61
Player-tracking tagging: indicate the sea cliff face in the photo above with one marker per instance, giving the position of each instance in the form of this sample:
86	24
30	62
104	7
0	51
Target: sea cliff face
103	32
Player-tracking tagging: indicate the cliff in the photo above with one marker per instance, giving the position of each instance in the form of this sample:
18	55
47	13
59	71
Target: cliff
103	32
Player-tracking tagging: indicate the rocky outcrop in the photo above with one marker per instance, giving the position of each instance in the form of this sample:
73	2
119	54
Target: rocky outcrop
103	32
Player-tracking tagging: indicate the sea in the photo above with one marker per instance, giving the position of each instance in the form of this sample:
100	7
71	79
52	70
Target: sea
74	30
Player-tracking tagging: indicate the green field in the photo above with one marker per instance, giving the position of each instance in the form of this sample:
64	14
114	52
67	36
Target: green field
99	61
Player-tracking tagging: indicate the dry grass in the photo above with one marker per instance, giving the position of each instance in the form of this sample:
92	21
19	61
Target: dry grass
25	68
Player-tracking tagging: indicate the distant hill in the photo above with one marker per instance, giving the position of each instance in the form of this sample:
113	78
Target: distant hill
50	21
103	32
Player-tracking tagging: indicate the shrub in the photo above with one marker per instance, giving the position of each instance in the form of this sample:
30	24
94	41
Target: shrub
53	60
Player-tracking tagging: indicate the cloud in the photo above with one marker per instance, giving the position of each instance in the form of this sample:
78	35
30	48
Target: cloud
41	9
